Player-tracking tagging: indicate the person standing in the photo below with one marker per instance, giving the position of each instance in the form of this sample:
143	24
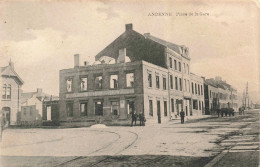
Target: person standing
133	117
2	125
141	118
182	116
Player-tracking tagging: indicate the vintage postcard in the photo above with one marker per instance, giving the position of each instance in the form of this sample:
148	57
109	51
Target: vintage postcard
129	83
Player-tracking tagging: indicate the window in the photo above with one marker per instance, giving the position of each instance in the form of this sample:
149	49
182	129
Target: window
199	105
170	60
24	111
83	108
201	90
130	80
113	81
189	85
176	83
98	82
175	64
179	66
172	103
115	107
195	104
31	111
157	82
69	85
185	84
195	88
84	84
69	109
150	80
180	80
165	108
6	92
192	88
164	83
210	94
151	107
184	68
198	89
171	81
188	70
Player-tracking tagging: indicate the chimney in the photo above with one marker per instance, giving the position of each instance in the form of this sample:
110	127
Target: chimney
11	64
76	60
147	34
129	27
121	56
86	63
39	90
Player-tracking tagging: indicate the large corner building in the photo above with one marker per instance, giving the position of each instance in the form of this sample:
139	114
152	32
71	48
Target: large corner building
135	72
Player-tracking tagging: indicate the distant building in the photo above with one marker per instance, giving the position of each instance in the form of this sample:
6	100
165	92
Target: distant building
10	93
32	107
219	94
134	73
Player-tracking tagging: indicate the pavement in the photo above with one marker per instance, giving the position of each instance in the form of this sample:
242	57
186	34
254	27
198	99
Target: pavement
202	141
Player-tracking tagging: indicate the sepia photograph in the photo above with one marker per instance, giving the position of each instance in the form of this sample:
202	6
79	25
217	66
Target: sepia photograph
114	83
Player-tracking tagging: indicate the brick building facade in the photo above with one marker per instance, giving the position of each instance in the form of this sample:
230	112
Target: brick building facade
10	93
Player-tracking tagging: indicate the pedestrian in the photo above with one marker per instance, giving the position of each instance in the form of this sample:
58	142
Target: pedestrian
133	117
141	118
218	112
182	116
2	125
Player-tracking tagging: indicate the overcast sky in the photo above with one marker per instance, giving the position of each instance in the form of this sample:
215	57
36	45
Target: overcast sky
42	37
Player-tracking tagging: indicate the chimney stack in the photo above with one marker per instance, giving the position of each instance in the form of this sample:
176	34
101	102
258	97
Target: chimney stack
39	90
129	27
11	64
76	60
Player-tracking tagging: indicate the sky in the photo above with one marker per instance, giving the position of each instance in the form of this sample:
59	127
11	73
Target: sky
41	37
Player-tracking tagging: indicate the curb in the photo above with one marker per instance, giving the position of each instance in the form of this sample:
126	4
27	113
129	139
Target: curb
216	159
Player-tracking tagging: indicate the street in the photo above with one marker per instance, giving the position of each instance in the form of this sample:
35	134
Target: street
227	141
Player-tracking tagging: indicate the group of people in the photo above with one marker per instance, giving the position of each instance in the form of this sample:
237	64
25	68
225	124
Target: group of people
141	118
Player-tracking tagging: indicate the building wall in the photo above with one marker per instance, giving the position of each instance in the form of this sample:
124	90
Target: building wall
122	94
198	95
155	94
34	106
14	103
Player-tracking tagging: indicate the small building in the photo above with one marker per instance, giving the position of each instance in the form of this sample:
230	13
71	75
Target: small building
10	93
32	107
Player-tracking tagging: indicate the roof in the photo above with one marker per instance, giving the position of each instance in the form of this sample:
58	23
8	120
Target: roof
9	71
170	45
40	95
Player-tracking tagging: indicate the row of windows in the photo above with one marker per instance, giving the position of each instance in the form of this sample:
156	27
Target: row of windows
98	82
198	89
185	66
198	105
157	78
98	108
158	108
6	92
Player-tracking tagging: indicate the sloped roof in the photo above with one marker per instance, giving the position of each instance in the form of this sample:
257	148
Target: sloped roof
40	95
170	45
9	71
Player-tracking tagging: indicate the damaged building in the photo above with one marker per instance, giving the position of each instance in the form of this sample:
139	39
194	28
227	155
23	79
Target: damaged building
135	72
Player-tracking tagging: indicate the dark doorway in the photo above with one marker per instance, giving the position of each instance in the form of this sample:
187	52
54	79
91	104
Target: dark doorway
99	108
7	113
159	112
